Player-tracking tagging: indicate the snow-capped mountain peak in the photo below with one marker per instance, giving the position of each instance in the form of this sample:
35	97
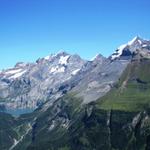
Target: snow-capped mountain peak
135	39
38	81
129	48
62	55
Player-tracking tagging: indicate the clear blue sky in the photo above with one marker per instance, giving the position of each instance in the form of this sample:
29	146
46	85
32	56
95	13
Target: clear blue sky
30	29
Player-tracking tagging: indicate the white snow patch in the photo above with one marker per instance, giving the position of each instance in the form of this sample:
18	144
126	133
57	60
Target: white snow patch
122	47
47	57
61	69
53	69
132	41
63	60
57	69
119	52
145	45
75	72
13	71
140	41
17	75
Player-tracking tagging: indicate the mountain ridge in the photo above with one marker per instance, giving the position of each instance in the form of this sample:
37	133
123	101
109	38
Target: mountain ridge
54	75
105	106
131	47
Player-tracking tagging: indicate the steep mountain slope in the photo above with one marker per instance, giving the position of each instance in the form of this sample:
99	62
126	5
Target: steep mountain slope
133	89
12	131
136	46
119	120
29	85
123	115
95	117
98	79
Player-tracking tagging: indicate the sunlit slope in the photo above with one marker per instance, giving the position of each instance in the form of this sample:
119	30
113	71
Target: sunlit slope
132	92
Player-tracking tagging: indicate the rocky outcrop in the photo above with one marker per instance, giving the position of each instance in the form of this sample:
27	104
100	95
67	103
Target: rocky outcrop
30	85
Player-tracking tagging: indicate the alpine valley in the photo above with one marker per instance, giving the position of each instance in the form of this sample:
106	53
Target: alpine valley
62	102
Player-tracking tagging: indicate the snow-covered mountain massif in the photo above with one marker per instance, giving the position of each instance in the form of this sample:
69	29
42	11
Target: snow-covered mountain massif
29	85
102	104
33	84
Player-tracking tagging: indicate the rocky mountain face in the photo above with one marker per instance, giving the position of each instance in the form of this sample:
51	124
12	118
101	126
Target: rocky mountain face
105	105
137	46
97	78
30	85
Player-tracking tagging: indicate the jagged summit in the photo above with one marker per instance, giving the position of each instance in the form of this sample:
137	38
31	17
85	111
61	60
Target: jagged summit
137	44
135	39
49	73
52	56
97	56
27	85
98	59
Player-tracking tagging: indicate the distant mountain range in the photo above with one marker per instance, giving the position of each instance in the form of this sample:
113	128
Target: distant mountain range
102	104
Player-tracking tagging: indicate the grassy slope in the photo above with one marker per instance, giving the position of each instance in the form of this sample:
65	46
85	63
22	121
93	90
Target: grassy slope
132	93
